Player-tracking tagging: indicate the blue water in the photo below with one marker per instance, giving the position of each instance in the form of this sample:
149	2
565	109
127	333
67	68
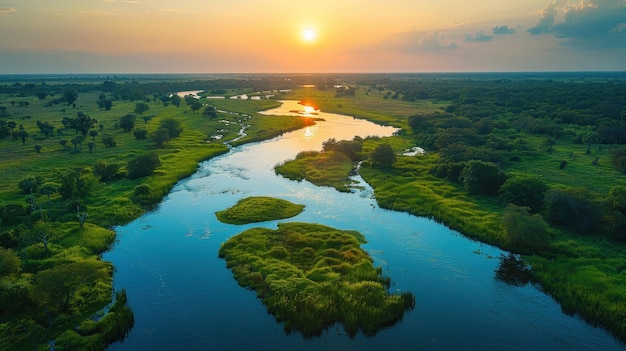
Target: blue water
184	297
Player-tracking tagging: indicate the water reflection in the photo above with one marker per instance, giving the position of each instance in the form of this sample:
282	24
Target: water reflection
512	270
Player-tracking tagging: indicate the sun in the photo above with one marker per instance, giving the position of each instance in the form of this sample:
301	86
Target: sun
309	35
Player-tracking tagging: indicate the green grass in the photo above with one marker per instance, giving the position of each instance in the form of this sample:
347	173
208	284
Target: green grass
320	168
259	209
310	276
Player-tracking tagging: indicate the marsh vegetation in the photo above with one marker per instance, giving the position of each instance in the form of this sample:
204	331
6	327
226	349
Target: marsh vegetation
259	209
311	276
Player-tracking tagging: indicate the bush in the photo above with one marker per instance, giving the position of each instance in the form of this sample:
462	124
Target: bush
525	232
140	134
106	171
483	178
524	190
143	166
109	141
173	126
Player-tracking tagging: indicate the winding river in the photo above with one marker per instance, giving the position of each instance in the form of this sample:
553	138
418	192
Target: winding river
184	298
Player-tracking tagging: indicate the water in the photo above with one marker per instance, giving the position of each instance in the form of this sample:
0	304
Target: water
184	297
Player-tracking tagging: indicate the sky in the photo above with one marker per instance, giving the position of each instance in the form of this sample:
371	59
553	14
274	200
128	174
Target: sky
317	36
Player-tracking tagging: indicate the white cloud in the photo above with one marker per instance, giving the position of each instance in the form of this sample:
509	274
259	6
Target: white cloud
590	24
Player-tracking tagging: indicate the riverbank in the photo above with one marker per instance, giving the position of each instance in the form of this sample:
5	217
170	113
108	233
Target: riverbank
103	204
575	271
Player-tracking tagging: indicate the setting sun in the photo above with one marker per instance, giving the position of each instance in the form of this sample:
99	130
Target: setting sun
309	35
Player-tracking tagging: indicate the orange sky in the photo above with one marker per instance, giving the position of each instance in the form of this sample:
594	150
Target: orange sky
115	36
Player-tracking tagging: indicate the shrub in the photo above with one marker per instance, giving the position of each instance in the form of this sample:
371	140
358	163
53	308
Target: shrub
524	190
526	233
109	141
106	171
173	126
140	134
142	166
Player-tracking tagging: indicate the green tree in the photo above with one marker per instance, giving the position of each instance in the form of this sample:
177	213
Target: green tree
383	156
176	100
70	96
45	128
54	288
38	148
160	136
141	107
48	189
141	134
143	165
81	123
173	126
63	142
195	106
524	190
23	135
76	182
578	209
10	263
525	233
210	111
106	171
108	141
483	178
30	184
127	122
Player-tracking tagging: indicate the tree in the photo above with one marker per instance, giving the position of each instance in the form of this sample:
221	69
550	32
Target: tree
141	107
173	126
108	141
525	232
81	123
23	134
42	232
38	148
63	142
382	156
106	171
70	96
76	183
195	106
590	138
141	134
30	184
524	190
175	99
45	128
55	287
48	189
579	210
483	178
93	133
210	111
10	263
12	125
143	165
160	136
127	122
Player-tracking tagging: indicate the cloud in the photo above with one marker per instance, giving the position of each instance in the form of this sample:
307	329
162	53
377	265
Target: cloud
592	24
479	36
7	10
502	30
413	41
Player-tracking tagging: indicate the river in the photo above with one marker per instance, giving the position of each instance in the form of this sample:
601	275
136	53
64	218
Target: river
184	298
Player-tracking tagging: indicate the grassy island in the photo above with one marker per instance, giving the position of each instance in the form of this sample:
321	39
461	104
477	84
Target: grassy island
310	276
320	168
259	209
